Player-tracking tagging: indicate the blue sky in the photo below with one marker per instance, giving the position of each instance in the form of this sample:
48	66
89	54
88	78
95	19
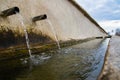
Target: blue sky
105	12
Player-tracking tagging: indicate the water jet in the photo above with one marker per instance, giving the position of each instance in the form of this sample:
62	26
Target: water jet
9	12
40	17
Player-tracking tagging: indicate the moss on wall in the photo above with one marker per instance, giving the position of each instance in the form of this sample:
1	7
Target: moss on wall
20	51
9	37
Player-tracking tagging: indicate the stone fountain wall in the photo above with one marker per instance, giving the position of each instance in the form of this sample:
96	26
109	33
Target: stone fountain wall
67	20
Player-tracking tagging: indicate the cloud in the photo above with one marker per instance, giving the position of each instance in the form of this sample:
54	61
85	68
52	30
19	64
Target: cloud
102	9
110	24
116	11
92	5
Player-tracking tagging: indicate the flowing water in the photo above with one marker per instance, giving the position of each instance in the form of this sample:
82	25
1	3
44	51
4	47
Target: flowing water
54	33
26	34
78	62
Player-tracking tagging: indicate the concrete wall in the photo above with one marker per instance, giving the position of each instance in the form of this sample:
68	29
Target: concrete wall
67	20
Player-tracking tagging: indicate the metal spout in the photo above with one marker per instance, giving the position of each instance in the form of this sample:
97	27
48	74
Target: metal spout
9	12
41	17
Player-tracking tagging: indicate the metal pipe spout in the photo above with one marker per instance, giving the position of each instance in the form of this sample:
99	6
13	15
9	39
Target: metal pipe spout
9	12
41	17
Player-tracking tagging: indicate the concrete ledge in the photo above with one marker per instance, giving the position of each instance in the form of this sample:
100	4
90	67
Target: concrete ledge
21	51
111	69
103	37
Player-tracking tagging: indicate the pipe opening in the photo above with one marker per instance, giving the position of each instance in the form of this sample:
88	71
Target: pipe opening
9	12
16	9
41	17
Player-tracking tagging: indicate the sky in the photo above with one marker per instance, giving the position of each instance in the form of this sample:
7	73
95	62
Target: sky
105	12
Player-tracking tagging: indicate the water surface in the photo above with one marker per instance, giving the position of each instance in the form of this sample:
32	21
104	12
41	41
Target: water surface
78	62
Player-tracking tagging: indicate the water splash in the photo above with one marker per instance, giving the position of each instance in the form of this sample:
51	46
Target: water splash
54	33
25	32
35	60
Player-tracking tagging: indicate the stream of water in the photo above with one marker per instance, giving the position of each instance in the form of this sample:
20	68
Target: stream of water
25	32
78	62
54	33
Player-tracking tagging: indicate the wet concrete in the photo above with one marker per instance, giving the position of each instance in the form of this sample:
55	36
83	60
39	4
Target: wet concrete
21	50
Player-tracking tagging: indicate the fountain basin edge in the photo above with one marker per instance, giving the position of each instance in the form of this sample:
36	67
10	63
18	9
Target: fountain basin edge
18	52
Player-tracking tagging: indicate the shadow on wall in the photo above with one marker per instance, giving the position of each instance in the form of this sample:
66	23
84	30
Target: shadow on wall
8	37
